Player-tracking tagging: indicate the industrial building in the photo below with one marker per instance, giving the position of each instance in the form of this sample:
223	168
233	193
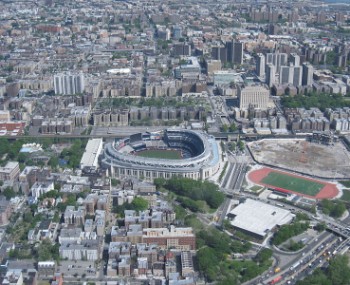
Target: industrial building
92	151
257	218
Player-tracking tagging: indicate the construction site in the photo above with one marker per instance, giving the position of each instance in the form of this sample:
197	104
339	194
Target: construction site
300	155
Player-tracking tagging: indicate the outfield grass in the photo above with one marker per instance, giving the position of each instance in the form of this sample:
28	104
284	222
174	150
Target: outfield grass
160	153
292	183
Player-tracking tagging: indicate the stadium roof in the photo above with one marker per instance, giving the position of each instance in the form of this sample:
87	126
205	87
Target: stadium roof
259	218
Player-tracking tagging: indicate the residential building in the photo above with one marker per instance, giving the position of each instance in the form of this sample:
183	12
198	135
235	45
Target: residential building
69	84
308	72
260	65
10	171
172	237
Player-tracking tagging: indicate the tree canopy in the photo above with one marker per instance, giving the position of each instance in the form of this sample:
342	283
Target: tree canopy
138	204
192	191
334	209
338	273
214	246
321	101
287	231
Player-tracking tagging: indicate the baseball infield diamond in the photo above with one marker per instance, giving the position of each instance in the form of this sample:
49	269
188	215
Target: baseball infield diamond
292	183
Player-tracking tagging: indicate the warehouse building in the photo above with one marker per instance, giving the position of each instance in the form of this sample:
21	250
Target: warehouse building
257	218
92	151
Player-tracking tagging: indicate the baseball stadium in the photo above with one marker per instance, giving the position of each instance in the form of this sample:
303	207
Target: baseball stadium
163	154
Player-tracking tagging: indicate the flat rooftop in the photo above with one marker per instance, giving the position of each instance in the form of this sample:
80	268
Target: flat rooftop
258	217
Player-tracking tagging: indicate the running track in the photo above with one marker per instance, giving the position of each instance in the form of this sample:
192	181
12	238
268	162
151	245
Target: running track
329	190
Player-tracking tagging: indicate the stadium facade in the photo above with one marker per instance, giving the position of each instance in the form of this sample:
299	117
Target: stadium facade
199	151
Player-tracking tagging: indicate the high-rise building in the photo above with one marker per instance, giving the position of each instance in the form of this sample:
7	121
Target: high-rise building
181	49
229	46
234	52
295	59
69	84
277	59
219	53
297	75
260	65
308	72
253	96
238	53
286	74
177	32
291	75
270	74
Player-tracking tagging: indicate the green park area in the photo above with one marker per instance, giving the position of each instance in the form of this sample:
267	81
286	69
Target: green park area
160	153
296	184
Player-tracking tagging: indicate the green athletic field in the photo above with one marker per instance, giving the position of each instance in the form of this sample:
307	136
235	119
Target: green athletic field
160	153
292	183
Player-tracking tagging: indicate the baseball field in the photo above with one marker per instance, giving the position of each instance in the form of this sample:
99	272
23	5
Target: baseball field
160	153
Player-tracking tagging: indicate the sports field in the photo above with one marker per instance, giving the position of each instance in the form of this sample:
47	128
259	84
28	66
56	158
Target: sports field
292	183
160	153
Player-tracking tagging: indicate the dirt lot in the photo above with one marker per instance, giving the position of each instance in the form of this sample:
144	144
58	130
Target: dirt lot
300	155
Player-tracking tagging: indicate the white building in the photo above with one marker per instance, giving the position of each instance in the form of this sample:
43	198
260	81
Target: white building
69	84
87	250
253	96
40	188
270	74
295	59
260	65
93	150
13	277
257	218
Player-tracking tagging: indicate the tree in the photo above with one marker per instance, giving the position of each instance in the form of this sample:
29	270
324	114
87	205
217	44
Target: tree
240	145
317	278
21	157
9	193
339	271
53	162
287	231
264	255
233	127
159	182
47	251
333	208
207	262
320	227
224	128
114	182
139	204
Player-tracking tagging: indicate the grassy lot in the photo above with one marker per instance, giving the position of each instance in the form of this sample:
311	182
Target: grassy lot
292	183
345	183
255	188
346	196
165	154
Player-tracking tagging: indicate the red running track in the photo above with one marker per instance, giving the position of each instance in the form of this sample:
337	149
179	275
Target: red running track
329	190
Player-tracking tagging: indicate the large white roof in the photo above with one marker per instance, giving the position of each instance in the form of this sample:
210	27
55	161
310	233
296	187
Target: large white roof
258	217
